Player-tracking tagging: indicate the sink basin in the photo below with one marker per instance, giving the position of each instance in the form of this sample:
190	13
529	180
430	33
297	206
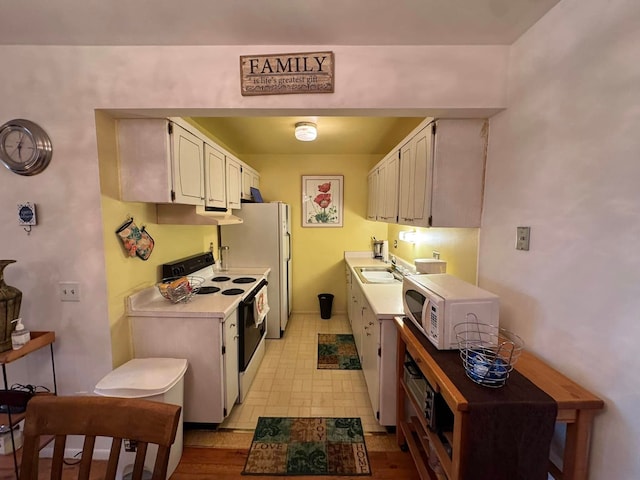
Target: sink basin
377	275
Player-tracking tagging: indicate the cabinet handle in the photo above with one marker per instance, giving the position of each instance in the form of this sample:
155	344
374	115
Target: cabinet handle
370	323
235	337
368	334
232	325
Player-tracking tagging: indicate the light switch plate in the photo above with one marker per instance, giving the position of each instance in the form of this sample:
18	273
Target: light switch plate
522	240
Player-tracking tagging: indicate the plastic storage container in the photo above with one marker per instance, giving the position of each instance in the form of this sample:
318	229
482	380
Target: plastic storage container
156	379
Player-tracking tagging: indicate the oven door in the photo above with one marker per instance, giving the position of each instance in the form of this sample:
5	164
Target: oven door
250	329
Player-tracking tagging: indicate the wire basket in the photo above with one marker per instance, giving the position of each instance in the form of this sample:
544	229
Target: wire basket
180	289
488	353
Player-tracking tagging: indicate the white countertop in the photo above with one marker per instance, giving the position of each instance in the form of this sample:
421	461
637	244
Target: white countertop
384	298
149	303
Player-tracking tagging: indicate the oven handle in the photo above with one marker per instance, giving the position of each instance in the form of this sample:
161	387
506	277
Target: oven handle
251	297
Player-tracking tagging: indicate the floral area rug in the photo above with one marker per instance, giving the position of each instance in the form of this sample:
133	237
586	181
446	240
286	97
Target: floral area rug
337	352
308	446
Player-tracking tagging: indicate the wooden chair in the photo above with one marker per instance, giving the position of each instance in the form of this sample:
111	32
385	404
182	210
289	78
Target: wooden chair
144	421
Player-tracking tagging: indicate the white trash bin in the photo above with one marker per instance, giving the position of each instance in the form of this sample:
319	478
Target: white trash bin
156	379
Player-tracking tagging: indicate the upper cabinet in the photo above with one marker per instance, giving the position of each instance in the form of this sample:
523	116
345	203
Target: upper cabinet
383	190
215	177
234	182
250	178
160	162
438	178
167	161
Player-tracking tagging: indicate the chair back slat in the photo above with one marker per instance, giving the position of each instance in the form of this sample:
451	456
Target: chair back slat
143	421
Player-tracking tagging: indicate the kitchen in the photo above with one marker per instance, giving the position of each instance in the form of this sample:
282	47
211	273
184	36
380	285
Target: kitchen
558	309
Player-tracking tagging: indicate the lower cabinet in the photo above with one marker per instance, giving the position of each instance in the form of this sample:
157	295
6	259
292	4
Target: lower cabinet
210	345
230	361
375	340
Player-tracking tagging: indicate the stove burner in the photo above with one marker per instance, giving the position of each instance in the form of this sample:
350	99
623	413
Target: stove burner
244	280
232	291
220	279
206	290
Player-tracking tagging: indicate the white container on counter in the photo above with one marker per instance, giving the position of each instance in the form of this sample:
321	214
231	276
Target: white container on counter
430	265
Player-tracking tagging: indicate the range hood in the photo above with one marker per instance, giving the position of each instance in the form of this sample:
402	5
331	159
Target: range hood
194	215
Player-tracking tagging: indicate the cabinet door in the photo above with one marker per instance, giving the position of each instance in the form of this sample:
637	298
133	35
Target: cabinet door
188	167
234	182
250	178
356	323
370	344
416	176
230	359
389	190
372	199
388	371
215	174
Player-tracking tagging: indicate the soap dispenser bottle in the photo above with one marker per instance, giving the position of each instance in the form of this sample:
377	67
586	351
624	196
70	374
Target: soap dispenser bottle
20	336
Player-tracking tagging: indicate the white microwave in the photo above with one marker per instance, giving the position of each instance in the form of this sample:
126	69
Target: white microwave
437	303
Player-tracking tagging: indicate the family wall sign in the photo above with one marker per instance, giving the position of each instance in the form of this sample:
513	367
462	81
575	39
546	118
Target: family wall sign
279	74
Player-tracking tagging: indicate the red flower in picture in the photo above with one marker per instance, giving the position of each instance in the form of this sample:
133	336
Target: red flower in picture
323	199
325	187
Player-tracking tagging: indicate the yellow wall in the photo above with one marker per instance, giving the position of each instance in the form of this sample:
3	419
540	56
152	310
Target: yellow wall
125	274
318	253
457	246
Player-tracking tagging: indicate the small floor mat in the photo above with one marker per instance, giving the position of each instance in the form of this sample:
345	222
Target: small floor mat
337	351
308	446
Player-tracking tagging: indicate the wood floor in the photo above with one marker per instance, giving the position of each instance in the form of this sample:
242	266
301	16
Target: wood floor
226	464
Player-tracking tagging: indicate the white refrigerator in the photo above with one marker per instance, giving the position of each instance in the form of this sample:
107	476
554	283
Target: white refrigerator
264	240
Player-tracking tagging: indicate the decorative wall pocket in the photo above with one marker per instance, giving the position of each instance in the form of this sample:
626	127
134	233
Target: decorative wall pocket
136	241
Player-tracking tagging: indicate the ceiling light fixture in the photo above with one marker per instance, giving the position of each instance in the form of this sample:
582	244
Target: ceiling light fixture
306	131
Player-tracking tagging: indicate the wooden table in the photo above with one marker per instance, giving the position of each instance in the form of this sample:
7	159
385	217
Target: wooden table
576	408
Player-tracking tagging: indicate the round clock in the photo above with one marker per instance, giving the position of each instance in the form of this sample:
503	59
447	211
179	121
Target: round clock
25	148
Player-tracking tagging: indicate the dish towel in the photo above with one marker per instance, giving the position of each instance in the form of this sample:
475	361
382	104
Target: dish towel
260	306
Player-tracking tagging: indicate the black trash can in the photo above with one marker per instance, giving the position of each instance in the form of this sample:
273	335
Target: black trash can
326	302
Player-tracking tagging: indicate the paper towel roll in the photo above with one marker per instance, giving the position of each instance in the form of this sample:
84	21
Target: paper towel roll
385	251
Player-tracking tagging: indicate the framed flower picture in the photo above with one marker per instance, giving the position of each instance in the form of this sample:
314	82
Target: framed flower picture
322	200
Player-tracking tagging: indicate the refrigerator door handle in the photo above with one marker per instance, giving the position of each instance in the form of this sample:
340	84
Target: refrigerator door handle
289	247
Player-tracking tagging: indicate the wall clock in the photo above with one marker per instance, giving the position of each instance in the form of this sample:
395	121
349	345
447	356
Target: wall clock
25	148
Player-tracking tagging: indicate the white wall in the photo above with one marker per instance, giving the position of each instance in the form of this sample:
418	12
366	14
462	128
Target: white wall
60	87
563	159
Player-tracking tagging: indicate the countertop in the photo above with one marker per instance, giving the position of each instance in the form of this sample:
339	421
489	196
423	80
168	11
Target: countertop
149	303
385	299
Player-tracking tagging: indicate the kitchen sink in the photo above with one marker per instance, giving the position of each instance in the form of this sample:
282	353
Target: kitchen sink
378	275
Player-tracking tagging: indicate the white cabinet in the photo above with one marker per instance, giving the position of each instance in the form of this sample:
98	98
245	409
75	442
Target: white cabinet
234	182
416	175
442	174
369	357
250	178
374	194
167	161
375	340
215	177
357	320
383	189
388	188
210	347
230	360
160	162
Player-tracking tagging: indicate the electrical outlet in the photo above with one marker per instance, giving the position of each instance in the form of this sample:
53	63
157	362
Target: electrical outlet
522	240
69	291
